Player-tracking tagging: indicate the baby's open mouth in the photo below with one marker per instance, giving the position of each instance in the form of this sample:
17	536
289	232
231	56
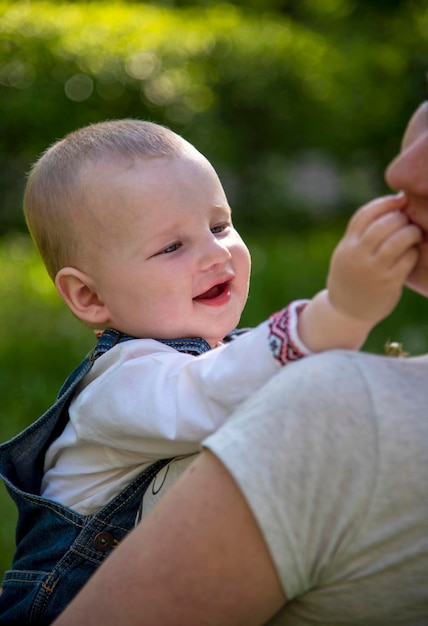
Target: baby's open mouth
214	292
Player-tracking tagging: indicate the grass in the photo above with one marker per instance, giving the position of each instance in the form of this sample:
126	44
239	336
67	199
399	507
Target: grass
40	342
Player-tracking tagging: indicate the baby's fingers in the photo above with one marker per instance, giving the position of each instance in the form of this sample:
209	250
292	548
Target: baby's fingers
399	243
405	264
364	217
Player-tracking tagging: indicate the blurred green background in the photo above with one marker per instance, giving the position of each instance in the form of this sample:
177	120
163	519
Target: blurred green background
298	104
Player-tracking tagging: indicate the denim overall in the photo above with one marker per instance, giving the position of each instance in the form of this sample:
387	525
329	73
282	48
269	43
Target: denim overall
59	549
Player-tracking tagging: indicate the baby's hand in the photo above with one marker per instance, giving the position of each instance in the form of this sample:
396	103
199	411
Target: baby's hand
372	261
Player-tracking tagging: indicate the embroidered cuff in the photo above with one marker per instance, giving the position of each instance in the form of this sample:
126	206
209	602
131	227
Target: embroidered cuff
284	340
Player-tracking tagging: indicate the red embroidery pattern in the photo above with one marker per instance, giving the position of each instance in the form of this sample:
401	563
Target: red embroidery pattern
280	341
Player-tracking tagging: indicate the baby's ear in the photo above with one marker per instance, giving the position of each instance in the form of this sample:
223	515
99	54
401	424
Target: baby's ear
78	291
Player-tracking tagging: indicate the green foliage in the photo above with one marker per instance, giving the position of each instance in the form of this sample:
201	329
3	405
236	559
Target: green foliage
299	110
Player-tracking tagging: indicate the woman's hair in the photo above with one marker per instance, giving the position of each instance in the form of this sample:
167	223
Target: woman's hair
54	193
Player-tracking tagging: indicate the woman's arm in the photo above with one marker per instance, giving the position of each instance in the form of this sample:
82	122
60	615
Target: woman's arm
198	559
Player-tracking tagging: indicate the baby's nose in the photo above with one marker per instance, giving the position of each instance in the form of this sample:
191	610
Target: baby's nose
214	252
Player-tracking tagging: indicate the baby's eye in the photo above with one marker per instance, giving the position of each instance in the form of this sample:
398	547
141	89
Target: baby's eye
172	248
219	229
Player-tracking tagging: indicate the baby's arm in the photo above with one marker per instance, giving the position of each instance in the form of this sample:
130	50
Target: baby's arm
367	273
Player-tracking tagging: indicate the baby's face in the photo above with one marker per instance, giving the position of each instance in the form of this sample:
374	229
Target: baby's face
174	266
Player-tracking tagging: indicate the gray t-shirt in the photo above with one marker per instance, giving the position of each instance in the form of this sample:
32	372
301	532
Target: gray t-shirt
332	457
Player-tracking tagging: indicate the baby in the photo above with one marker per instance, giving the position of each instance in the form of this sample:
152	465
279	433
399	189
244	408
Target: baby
135	229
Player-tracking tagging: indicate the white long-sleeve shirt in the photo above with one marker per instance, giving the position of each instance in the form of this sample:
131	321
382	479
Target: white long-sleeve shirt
143	400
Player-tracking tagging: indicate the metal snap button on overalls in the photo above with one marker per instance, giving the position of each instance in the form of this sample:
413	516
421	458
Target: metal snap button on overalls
104	541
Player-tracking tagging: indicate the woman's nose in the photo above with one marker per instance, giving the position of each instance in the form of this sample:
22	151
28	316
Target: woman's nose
409	170
393	174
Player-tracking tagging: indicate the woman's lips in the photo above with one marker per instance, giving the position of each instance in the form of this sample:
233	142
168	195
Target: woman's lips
218	294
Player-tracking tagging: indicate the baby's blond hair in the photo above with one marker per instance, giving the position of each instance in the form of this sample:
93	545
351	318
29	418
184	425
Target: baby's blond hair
54	193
